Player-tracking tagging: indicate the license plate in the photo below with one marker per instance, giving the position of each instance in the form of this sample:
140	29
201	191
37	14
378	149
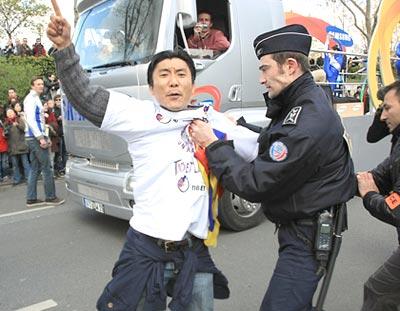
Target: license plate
98	207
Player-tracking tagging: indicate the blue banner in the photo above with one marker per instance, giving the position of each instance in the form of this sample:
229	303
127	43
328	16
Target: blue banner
340	35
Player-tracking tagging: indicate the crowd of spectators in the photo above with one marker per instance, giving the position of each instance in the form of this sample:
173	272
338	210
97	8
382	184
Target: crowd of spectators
14	150
18	48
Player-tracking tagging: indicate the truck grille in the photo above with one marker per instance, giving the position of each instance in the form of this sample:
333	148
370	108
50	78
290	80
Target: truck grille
97	140
104	164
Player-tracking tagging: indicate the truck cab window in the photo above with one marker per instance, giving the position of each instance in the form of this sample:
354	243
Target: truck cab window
210	36
119	31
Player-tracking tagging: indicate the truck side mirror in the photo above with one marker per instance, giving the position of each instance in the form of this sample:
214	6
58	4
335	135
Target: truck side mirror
188	10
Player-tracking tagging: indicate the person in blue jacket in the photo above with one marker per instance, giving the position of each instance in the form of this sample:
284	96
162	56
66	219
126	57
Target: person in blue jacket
333	65
398	61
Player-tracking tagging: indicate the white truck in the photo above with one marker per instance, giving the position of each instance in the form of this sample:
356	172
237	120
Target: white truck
116	40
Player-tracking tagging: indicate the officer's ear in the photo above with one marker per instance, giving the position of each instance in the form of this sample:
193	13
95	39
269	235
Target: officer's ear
292	65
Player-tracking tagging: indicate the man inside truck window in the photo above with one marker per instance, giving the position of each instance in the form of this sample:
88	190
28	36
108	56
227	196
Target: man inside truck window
205	37
303	168
166	250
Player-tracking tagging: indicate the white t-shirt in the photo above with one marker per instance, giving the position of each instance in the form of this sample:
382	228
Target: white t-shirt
169	192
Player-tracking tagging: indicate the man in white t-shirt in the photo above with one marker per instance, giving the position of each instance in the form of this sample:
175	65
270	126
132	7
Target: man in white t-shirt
165	250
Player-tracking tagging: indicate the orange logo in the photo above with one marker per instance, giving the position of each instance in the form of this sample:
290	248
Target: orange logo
393	200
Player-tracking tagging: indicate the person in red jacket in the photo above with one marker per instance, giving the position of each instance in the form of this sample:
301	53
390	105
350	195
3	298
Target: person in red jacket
205	37
38	48
53	129
3	152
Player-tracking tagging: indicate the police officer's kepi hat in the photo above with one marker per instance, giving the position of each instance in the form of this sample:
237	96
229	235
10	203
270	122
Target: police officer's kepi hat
290	38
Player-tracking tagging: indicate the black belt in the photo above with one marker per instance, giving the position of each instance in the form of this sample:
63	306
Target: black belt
173	246
305	222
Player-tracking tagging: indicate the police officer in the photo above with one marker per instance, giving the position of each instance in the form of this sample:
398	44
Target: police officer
380	190
303	165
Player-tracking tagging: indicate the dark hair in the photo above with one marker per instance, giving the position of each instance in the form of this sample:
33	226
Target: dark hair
57	96
385	89
35	78
302	59
159	57
205	12
12	89
19	103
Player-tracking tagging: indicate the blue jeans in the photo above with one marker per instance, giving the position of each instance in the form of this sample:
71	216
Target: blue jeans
126	289
203	290
294	280
15	159
40	161
3	165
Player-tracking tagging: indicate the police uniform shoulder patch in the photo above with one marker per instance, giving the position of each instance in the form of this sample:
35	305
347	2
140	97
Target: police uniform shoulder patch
278	151
291	117
393	200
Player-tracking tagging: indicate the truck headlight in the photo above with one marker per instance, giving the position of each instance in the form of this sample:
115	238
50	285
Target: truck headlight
67	168
130	181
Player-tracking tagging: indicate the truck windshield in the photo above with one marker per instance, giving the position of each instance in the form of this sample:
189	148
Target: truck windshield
118	32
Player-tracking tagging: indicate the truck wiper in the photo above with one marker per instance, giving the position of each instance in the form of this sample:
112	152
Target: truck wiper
116	64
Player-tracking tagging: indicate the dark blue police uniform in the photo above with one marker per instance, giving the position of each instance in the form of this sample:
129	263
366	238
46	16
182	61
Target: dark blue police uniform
303	167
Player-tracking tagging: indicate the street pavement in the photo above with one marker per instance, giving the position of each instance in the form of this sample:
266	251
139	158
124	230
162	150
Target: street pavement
60	258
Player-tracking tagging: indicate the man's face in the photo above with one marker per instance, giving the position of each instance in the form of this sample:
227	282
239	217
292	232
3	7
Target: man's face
391	110
38	86
172	84
25	41
205	18
12	94
273	76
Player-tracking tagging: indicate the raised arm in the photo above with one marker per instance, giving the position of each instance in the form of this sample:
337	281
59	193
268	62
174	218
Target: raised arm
89	100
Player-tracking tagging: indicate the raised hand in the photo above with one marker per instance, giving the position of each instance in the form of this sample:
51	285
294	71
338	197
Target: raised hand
59	30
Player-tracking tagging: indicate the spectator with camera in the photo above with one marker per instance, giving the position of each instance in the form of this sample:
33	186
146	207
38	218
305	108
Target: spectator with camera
51	86
205	37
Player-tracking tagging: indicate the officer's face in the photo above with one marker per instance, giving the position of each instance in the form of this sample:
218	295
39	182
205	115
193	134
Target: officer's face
172	84
391	110
274	77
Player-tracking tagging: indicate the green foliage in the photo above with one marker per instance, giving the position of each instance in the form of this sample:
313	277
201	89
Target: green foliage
17	72
16	14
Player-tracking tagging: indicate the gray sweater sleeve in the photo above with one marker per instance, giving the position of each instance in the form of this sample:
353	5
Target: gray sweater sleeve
89	100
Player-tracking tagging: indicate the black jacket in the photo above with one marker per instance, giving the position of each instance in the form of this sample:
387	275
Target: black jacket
387	178
303	165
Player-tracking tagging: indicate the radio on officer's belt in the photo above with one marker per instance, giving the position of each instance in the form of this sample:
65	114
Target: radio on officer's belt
323	237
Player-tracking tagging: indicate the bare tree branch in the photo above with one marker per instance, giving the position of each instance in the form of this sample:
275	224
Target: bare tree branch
353	2
15	14
356	24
